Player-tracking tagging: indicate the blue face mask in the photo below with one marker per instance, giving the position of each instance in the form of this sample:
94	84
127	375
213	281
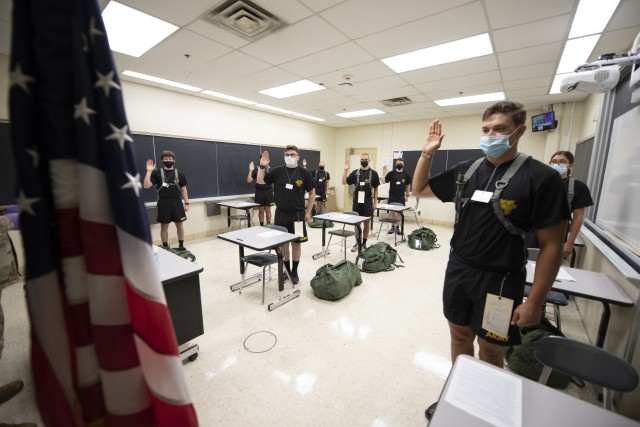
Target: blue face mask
561	169
495	146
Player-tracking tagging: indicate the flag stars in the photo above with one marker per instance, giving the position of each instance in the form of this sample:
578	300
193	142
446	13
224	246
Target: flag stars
105	81
93	31
25	203
134	183
119	134
82	111
18	78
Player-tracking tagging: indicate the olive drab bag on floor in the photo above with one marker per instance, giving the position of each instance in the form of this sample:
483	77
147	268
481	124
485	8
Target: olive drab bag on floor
184	253
423	239
333	282
317	223
521	359
378	257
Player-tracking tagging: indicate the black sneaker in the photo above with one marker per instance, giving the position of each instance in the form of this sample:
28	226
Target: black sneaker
294	277
354	248
430	411
284	277
398	231
181	248
391	230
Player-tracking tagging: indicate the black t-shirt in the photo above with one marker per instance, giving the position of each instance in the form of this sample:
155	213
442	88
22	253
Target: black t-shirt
364	180
320	179
173	189
534	199
254	175
289	200
581	194
397	182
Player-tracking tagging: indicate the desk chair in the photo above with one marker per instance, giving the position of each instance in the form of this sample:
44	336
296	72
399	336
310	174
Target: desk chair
586	362
414	211
555	299
391	222
244	217
343	234
264	260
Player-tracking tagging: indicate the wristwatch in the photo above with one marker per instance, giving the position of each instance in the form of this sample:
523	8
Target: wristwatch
262	167
186	203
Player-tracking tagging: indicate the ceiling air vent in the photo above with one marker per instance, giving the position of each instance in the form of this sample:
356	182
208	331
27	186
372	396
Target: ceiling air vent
394	102
245	19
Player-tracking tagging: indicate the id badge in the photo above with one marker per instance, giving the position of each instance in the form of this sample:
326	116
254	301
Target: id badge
497	315
397	182
320	180
288	186
481	196
360	196
164	184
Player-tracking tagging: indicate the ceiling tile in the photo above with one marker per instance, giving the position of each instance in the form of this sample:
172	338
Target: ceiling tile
528	83
458	82
536	70
507	13
530	55
214	32
169	11
320	5
226	68
174	50
345	55
455	69
288	10
533	34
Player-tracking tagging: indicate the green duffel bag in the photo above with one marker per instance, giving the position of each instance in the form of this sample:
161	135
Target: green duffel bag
317	223
334	281
181	252
378	257
423	239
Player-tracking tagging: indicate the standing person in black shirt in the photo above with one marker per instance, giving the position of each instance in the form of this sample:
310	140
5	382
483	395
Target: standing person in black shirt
321	180
485	276
399	189
365	197
263	195
289	186
171	186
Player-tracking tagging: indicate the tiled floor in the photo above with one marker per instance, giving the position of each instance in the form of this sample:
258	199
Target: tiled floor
376	358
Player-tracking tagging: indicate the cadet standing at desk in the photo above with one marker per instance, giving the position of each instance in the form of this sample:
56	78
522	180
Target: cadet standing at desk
289	186
485	276
399	188
321	181
365	196
263	195
171	185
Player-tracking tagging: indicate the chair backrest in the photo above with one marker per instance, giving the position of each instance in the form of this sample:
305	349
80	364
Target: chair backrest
586	362
533	253
277	227
395	204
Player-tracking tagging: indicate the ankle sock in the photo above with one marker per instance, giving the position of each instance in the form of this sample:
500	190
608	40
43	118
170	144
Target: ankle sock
295	266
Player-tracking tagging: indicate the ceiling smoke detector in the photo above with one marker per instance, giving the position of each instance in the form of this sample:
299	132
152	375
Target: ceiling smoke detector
244	18
394	102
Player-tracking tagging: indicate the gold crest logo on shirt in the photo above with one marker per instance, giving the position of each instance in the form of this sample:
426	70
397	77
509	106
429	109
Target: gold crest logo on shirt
366	180
299	183
403	180
507	206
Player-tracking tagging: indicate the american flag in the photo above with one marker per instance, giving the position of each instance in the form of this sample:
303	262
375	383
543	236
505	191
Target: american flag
103	348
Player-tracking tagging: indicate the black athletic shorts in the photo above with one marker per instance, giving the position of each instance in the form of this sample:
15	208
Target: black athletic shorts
465	292
264	197
322	193
394	198
363	209
170	210
288	220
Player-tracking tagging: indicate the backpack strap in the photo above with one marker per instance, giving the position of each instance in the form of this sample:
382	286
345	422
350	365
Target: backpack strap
571	190
501	184
461	182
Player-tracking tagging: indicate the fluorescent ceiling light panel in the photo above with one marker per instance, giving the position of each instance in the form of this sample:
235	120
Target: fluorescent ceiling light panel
293	89
361	113
161	81
557	81
592	17
487	97
228	97
471	47
576	52
272	108
317	119
132	32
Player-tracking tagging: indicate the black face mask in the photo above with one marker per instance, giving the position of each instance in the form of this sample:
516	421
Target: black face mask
399	167
167	164
364	163
321	168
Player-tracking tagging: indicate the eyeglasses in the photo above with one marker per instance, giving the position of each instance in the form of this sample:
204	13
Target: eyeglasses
291	155
558	162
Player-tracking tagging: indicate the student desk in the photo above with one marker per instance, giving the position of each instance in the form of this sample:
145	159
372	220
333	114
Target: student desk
397	209
262	239
590	285
340	218
479	394
240	205
181	283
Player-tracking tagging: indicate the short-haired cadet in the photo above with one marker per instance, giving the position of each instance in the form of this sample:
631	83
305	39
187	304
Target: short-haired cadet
485	276
263	194
399	188
365	196
321	180
173	199
290	183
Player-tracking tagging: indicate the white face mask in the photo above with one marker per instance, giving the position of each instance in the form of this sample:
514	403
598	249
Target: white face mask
562	169
290	161
496	145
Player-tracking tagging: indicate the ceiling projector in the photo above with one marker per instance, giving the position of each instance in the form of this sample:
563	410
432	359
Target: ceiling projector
593	81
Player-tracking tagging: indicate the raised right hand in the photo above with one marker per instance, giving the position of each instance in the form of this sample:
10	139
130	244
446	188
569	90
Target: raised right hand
252	167
151	166
433	139
346	165
264	159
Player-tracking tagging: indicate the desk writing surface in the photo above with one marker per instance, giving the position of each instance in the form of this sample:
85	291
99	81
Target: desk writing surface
173	267
541	405
588	284
258	238
342	218
394	208
238	204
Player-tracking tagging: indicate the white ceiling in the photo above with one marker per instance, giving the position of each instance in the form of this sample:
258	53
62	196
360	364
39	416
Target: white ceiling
324	40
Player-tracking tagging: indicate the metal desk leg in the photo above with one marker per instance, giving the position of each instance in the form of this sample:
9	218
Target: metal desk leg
243	279
401	229
286	298
325	250
229	218
189	351
604	324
